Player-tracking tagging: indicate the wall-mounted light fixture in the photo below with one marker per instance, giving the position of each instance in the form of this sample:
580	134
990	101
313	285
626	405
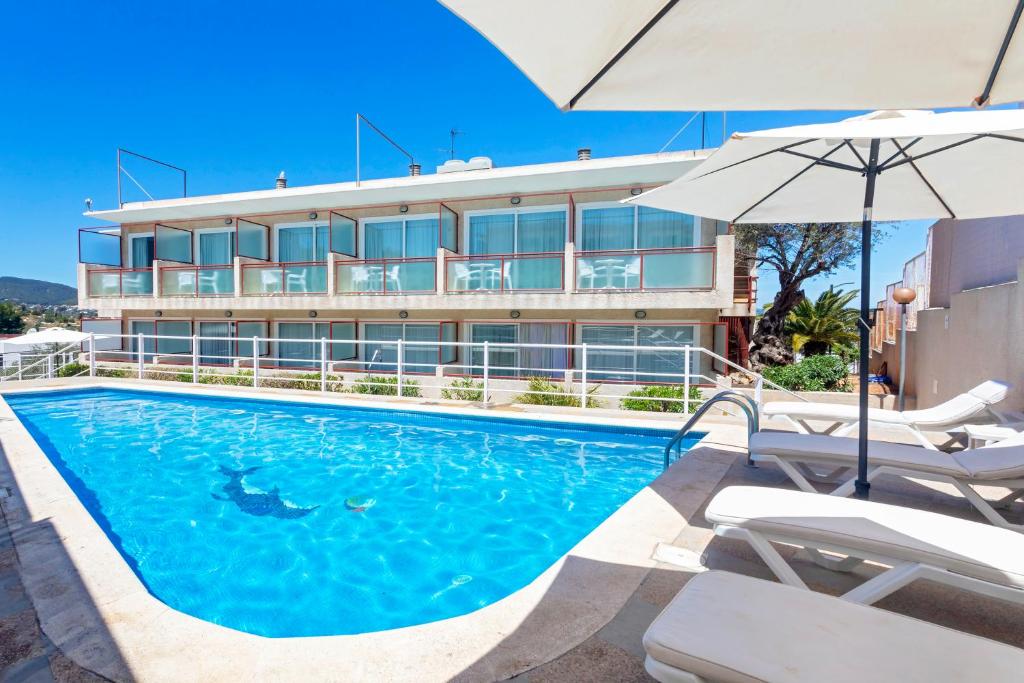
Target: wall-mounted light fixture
636	191
158	314
312	314
404	208
640	315
313	215
515	201
403	314
228	314
228	221
514	314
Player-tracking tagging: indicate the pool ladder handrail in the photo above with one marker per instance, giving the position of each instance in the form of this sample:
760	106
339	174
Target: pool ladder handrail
747	404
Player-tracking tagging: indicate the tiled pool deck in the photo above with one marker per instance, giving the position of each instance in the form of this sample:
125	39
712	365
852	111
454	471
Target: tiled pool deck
560	637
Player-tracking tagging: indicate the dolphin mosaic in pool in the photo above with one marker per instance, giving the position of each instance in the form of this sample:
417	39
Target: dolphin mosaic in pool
259	504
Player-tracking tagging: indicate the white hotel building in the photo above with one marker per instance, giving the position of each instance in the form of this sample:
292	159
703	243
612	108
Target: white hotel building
543	253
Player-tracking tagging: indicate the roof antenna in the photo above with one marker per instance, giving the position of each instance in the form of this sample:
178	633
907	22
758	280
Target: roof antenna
451	148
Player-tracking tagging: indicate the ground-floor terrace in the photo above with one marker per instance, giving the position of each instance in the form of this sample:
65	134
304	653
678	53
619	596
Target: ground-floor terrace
69	610
617	351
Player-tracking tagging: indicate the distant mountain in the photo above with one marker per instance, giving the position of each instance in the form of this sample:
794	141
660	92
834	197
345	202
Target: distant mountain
36	292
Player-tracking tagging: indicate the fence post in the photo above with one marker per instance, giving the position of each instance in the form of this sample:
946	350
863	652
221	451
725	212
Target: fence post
49	366
92	354
140	347
401	362
195	359
323	364
758	386
19	367
686	380
255	362
583	377
487	372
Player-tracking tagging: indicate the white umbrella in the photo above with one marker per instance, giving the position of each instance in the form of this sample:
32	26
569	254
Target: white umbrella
889	165
53	335
759	54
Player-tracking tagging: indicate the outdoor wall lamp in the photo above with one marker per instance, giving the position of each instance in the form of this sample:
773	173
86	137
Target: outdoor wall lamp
515	201
903	296
312	215
636	191
404	208
228	221
640	315
312	314
158	314
514	314
228	314
403	314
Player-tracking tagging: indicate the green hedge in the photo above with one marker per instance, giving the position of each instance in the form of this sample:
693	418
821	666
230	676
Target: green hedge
381	385
647	398
554	395
815	373
463	389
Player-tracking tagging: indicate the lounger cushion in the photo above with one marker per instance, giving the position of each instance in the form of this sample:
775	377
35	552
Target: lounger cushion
828	412
991	392
839	451
732	628
995	462
896	533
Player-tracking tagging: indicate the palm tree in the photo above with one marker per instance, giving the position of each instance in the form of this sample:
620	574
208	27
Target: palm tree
816	327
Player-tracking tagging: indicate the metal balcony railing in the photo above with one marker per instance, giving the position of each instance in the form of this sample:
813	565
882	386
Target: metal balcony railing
119	282
268	279
196	281
505	272
386	276
680	269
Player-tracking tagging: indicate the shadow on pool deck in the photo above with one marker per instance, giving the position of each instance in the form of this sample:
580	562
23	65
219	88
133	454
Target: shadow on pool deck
615	652
26	652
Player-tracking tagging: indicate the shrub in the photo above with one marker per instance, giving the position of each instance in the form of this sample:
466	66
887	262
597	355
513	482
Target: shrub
815	373
378	385
114	372
647	398
554	395
72	369
242	379
464	389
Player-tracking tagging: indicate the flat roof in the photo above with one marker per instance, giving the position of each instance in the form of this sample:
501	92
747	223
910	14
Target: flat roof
564	176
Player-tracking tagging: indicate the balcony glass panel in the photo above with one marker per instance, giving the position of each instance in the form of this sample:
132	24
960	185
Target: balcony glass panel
534	273
343	234
136	282
216	281
478	275
253	240
305	279
104	283
449	229
613	271
173	244
262	280
99	248
684	270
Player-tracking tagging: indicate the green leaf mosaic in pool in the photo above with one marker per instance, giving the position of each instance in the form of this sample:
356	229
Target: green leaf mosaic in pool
297	519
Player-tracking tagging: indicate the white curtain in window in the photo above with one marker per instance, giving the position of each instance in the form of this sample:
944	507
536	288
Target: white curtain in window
612	364
420	357
500	357
142	252
663	362
301	353
381	357
546	360
295	244
607	228
215	351
421	237
382	239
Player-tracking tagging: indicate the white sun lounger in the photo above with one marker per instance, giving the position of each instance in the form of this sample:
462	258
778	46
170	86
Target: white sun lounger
974	406
1001	464
917	544
728	628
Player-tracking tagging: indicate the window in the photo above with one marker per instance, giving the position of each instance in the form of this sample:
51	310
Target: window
418	358
415	237
140	252
520	361
299	353
151	346
222	342
638	365
215	247
303	242
613	227
520	231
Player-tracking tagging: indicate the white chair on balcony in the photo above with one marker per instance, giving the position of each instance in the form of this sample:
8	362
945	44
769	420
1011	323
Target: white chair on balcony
585	274
207	282
360	279
296	282
270	281
463	276
394	279
186	283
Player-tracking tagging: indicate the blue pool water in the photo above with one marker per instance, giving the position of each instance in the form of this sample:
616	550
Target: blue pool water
295	519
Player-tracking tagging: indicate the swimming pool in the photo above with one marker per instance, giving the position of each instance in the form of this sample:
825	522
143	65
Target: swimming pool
296	519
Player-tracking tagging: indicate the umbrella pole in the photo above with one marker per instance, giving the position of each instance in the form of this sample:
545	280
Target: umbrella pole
862	485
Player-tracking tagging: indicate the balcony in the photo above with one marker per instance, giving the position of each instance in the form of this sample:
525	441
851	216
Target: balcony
120	282
644	270
505	273
268	279
386	276
197	280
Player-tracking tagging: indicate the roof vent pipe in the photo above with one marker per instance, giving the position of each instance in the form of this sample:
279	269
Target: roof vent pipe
583	154
414	169
282	181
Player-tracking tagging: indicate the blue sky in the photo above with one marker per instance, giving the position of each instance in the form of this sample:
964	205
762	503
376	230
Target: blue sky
237	91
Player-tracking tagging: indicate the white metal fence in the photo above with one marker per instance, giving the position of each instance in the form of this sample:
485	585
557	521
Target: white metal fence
21	366
587	375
